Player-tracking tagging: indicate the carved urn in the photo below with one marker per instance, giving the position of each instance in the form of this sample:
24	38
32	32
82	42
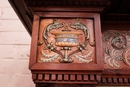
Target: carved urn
66	39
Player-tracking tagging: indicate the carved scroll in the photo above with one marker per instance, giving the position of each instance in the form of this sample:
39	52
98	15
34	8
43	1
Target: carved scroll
65	39
116	48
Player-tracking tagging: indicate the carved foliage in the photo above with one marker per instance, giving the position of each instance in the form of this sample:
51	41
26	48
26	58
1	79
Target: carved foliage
57	50
116	48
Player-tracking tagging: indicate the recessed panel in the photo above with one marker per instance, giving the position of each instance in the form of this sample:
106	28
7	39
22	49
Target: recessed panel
66	41
116	46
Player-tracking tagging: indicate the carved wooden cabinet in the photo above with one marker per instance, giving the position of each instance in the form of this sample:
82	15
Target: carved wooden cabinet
66	48
77	43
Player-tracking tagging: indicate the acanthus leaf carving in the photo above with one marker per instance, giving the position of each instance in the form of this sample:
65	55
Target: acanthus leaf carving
116	48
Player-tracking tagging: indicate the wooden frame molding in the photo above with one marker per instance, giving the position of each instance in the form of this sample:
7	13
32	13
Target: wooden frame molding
70	72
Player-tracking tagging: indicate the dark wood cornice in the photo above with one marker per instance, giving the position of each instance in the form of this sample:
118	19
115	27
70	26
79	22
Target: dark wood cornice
115	17
109	9
66	3
21	11
25	8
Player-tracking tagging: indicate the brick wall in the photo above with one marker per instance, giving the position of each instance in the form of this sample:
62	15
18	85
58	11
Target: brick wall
14	49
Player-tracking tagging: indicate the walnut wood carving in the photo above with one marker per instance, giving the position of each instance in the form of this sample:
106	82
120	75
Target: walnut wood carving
77	72
82	51
109	64
106	64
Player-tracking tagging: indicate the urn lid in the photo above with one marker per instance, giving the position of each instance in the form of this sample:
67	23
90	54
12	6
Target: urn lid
66	33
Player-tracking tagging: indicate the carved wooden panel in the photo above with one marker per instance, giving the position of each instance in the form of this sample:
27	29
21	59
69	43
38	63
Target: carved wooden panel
117	48
80	48
66	48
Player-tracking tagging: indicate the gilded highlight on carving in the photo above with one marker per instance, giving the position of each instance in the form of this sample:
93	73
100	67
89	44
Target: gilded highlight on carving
62	41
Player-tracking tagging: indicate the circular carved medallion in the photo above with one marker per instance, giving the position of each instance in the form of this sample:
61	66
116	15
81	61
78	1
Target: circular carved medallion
126	55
